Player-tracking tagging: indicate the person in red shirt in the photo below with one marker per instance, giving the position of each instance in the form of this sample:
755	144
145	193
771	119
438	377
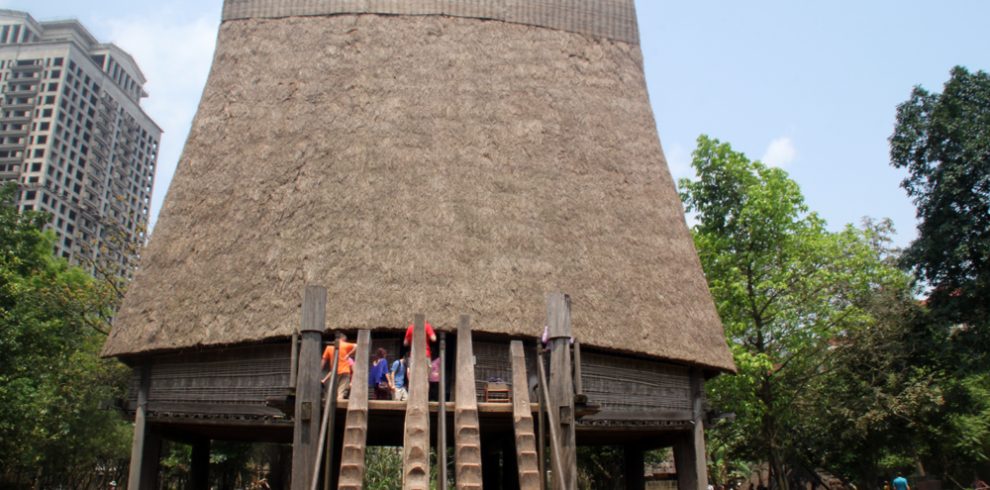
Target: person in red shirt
343	366
430	337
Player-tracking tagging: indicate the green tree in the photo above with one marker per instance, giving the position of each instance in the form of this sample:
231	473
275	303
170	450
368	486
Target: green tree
943	141
785	287
55	428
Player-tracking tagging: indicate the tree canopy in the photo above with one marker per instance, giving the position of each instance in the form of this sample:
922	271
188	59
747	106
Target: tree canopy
943	141
55	392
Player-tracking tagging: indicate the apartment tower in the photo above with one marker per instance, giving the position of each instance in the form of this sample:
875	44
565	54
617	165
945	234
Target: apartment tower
74	137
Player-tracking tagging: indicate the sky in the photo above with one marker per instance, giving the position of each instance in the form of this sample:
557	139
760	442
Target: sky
811	87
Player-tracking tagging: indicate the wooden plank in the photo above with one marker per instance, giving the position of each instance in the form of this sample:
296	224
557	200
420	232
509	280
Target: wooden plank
467	431
541	421
416	440
562	383
154	409
306	431
578	381
526	456
442	415
356	425
140	440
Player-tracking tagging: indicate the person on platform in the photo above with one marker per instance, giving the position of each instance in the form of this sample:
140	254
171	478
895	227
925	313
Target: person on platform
397	380
343	366
378	376
435	380
431	336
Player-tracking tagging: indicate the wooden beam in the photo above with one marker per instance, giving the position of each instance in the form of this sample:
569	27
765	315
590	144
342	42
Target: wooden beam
293	359
467	432
306	433
141	452
356	425
562	383
522	415
416	441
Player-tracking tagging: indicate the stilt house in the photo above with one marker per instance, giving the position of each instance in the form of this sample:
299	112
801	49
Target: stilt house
460	159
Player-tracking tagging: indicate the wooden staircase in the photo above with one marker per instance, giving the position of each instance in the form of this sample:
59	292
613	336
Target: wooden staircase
527	459
356	425
416	442
467	431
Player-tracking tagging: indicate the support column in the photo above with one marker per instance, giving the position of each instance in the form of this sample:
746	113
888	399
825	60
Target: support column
633	468
689	452
199	467
562	384
146	445
306	431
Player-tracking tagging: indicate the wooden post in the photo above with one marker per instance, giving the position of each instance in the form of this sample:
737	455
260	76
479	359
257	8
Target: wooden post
562	382
416	441
541	446
578	382
555	452
689	451
522	414
146	446
199	467
306	433
327	434
356	426
634	469
467	433
442	415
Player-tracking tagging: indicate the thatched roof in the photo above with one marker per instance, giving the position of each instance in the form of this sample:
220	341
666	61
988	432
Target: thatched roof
426	164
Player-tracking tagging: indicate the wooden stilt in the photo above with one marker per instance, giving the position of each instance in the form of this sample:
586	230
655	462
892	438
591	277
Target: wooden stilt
143	457
541	445
633	468
689	452
416	442
442	416
467	432
562	382
526	456
491	463
356	425
327	442
199	467
306	431
554	425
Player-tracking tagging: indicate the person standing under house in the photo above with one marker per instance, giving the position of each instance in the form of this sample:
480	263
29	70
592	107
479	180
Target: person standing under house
378	376
397	380
343	366
900	483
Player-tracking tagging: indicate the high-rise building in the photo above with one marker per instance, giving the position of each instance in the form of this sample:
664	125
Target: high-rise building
74	136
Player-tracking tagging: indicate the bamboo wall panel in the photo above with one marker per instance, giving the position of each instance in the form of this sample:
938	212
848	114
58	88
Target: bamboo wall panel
623	384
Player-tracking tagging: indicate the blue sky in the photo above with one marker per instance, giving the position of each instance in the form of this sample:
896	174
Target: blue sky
808	86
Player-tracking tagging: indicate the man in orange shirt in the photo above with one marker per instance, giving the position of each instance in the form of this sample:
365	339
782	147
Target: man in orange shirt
430	337
343	366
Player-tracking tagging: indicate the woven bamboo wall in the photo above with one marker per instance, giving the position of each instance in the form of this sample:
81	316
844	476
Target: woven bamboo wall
612	19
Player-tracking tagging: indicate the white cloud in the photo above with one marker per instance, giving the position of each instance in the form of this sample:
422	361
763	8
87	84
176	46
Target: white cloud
175	56
780	153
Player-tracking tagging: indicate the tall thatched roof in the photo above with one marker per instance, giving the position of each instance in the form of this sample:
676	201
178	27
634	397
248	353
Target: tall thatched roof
433	164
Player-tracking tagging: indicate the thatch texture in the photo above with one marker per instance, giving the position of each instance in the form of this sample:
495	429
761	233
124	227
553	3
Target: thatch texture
422	164
612	19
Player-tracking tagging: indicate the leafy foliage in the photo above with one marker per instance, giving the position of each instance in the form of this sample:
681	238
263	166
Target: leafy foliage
943	141
55	425
787	290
